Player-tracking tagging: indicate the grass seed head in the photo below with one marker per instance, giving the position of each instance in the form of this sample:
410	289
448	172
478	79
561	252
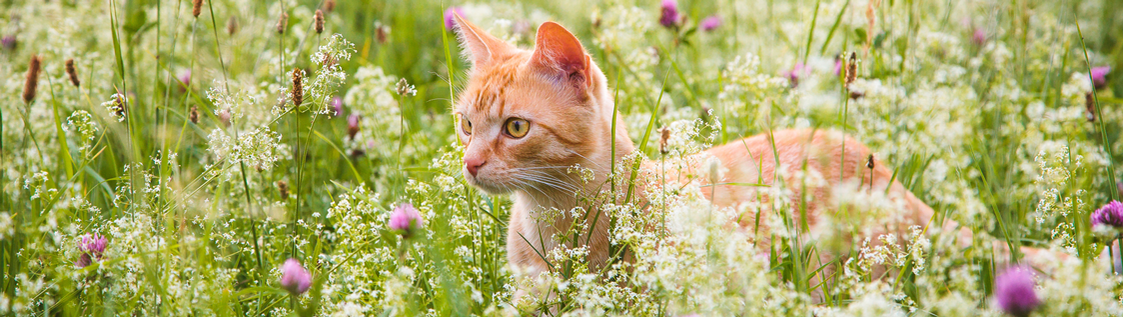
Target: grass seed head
231	25
196	7
282	23
297	87
665	134
194	115
851	69
120	105
283	188
382	33
32	82
73	73
319	21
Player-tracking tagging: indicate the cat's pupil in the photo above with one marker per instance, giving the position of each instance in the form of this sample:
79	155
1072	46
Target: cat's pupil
517	128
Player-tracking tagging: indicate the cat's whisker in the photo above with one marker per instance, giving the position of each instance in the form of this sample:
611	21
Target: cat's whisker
539	168
568	176
553	181
569	181
586	159
549	184
524	183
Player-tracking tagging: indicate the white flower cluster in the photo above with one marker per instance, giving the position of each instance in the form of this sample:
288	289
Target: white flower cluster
319	90
259	149
7	227
82	123
372	100
230	107
116	106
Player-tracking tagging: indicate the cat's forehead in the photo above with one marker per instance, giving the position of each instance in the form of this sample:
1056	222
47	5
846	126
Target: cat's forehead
489	88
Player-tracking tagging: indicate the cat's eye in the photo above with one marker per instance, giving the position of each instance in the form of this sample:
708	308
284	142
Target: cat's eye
465	125
516	127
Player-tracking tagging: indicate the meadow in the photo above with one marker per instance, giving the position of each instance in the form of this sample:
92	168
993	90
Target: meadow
266	158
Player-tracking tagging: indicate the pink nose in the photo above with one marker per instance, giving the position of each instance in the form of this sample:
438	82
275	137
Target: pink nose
473	165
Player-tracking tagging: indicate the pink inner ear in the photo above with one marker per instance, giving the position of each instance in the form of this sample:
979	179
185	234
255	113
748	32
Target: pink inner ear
559	50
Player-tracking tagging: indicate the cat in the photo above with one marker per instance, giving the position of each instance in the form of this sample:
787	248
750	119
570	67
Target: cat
525	116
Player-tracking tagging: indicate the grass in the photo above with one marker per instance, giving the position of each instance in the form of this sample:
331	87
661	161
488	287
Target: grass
991	133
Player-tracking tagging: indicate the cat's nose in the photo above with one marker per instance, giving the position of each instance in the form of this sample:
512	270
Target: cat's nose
473	165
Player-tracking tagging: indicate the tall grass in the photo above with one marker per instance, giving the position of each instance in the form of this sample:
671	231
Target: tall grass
989	130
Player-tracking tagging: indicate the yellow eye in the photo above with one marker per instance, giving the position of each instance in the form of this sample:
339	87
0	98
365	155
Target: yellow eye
517	128
465	125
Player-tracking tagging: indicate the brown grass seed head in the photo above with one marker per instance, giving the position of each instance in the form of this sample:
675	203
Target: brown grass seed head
297	87
72	72
196	7
32	82
319	21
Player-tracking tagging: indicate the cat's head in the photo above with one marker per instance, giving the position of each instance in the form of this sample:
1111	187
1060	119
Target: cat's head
524	116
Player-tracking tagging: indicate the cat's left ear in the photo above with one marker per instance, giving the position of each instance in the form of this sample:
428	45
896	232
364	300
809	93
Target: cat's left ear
482	48
559	53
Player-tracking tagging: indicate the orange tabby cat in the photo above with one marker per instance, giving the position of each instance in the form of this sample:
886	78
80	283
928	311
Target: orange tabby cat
525	116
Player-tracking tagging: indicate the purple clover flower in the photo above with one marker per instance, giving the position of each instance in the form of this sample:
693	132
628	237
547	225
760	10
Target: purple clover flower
94	244
405	218
353	125
8	42
795	73
1099	76
294	278
337	106
1109	215
670	16
185	78
1014	293
450	17
92	247
979	37
710	23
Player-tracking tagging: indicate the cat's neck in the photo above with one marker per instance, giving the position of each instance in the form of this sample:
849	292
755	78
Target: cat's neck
542	211
576	187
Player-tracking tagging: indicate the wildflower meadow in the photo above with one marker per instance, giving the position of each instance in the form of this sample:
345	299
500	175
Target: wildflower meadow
300	158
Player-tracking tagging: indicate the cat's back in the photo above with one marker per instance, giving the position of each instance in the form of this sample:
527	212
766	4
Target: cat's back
811	163
827	152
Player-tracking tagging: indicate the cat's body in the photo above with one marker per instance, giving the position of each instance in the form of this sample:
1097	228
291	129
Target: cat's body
527	116
746	163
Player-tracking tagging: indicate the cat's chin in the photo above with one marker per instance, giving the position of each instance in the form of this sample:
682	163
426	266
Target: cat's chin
488	188
493	190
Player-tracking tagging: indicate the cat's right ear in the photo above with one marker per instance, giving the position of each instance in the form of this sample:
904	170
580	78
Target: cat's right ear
480	47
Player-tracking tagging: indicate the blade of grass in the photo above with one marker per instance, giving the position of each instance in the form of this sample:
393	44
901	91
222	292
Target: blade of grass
811	31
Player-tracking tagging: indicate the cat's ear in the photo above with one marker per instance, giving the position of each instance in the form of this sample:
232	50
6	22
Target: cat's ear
482	48
559	53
